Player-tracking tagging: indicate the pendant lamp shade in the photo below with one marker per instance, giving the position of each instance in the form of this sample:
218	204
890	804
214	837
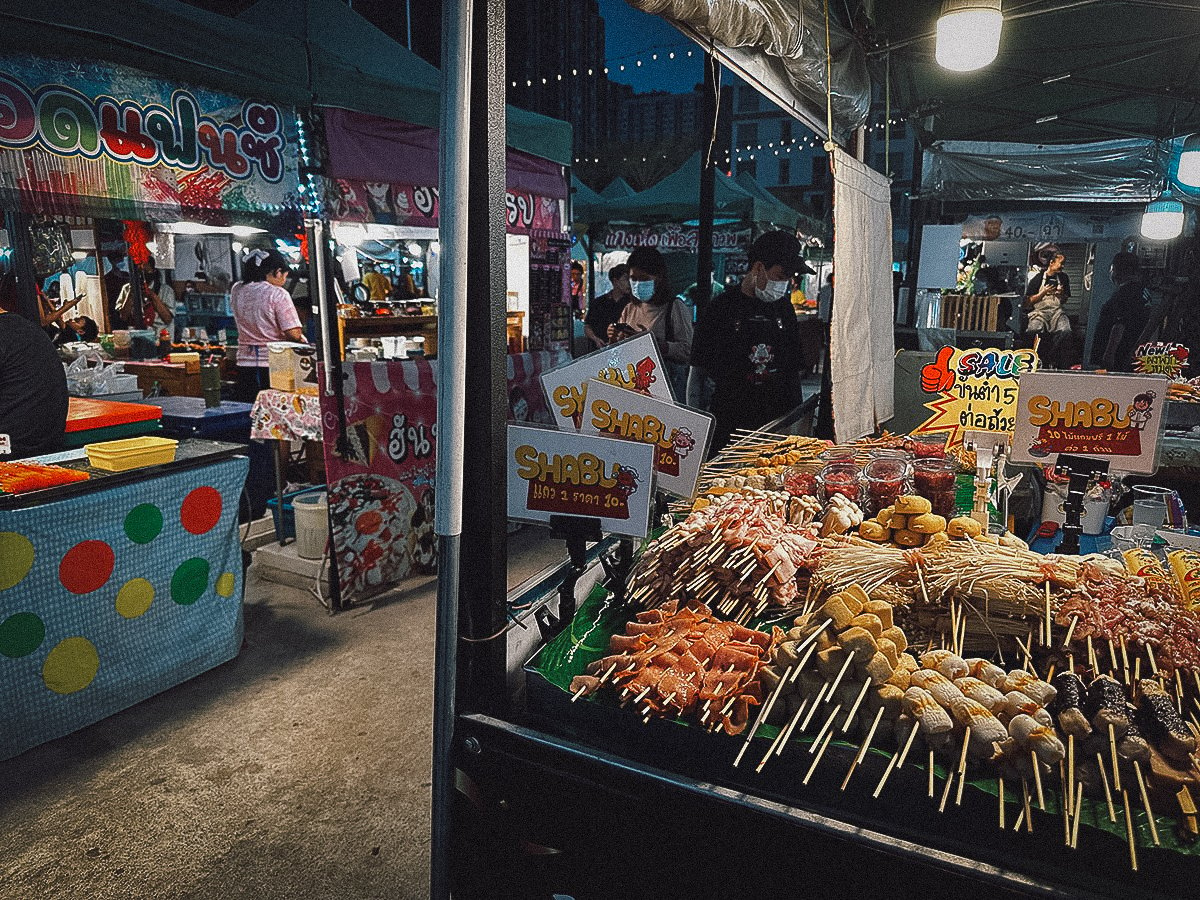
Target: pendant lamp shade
1189	162
968	34
1163	219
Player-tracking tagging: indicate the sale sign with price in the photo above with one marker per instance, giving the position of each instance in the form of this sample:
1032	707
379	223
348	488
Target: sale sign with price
633	365
1119	417
559	473
976	390
678	435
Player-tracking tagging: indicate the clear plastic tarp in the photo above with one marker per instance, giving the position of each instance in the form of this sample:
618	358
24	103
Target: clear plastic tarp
781	45
1117	171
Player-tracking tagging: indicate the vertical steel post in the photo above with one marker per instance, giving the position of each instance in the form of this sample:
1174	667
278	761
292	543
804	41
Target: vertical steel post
704	233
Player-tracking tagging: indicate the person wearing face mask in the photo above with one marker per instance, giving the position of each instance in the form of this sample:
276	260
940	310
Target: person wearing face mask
606	309
654	309
748	341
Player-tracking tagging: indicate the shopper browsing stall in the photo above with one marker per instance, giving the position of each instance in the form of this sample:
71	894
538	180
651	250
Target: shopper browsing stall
748	341
606	309
33	390
1122	318
263	313
655	310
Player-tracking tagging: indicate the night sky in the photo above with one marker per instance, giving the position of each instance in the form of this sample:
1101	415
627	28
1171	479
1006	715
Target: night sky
630	35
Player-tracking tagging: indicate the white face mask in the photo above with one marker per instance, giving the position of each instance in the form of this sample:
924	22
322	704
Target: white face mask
642	290
775	290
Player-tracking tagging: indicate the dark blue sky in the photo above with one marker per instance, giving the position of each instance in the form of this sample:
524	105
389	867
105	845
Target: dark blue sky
630	35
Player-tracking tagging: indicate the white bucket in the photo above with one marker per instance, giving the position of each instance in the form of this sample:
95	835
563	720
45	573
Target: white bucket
312	524
1094	511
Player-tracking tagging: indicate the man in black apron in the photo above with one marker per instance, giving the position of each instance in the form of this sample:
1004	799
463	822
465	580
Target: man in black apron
747	340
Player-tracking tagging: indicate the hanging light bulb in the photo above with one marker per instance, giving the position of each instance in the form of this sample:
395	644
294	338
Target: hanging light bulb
1163	218
1189	162
968	34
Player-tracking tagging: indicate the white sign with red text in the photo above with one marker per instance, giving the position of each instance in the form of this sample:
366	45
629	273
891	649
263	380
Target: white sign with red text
633	365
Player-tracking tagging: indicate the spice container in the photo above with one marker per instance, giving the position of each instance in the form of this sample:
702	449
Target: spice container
801	481
926	446
886	479
936	481
842	476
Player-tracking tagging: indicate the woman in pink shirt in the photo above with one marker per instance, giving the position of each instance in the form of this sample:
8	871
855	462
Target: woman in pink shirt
263	312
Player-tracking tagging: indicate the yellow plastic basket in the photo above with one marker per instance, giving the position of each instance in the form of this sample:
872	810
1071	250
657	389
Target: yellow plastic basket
131	453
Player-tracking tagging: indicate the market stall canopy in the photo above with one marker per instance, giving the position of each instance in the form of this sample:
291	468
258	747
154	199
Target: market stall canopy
1114	171
361	69
676	198
583	200
1066	72
779	47
811	227
618	187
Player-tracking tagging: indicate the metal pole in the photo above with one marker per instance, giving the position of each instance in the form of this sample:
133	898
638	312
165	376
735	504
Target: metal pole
457	23
707	199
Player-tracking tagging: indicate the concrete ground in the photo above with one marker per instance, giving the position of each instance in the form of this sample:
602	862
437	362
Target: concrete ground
300	769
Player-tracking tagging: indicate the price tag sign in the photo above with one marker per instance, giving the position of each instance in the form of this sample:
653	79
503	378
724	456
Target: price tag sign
679	435
633	365
558	473
975	390
1160	358
1114	417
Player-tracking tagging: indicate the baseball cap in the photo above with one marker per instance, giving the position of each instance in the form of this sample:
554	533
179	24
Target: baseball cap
780	248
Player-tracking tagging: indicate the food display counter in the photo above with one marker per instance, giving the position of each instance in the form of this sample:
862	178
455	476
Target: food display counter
115	587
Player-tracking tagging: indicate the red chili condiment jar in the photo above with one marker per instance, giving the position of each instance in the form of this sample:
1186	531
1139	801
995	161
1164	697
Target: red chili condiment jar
886	479
841	476
935	480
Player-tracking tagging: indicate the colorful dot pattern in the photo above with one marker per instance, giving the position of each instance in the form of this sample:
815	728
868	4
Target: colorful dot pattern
111	597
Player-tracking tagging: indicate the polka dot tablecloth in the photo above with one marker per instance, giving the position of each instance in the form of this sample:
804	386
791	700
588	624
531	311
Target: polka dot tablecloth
113	596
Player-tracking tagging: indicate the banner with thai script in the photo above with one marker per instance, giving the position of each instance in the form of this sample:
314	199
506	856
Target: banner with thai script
386	203
381	475
976	390
1161	358
556	473
633	364
672	238
1036	226
679	435
91	138
1116	417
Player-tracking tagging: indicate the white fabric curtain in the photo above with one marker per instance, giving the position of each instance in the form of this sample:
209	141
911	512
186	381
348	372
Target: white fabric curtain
863	342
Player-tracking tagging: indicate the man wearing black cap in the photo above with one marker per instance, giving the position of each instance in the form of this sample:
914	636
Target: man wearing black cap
747	340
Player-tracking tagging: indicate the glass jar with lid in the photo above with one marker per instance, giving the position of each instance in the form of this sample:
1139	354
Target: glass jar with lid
886	478
937	481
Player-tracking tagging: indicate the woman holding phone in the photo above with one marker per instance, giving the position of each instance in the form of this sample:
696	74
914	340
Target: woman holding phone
656	310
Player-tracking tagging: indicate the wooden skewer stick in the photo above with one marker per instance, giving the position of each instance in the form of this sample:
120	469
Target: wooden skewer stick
1137	769
1150	655
817	700
1026	812
1133	860
763	712
1124	659
1037	780
1070	631
857	702
1020	820
962	767
930	773
1112	813
895	762
862	751
827	726
1091	653
1071	770
1179	691
1049	621
1077	816
579	693
1000	796
946	790
817	760
791	726
1064	802
841	673
1112	746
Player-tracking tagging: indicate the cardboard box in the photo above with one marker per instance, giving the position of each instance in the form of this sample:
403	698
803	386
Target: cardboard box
293	367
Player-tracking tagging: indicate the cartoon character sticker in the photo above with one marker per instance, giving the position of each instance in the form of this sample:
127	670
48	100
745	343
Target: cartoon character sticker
761	357
644	375
1139	411
627	481
682	442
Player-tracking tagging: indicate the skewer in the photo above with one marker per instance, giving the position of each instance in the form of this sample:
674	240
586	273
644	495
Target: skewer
763	712
841	672
1070	631
826	726
1150	654
862	751
1137	769
816	761
813	709
1179	691
1026	812
946	790
608	674
962	767
1037	780
1020	820
799	667
1078	816
1112	745
791	726
1050	673
1000	795
1071	769
1064	802
895	762
857	702
1129	831
1137	668
930	773
1049	637
1091	652
1112	814
1125	661
962	640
